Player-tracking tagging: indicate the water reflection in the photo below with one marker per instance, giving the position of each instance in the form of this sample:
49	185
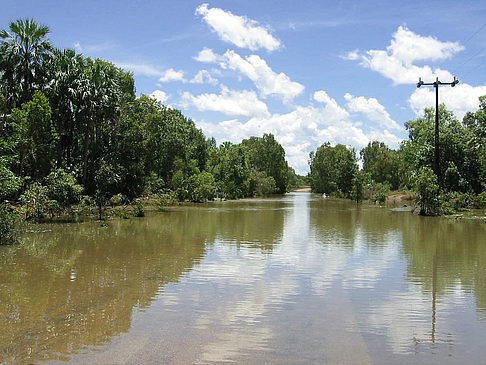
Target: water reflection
298	279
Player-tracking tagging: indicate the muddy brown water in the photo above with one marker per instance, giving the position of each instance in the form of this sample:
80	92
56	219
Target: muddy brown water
297	279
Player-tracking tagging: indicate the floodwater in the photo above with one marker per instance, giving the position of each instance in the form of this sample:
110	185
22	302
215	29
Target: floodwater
296	279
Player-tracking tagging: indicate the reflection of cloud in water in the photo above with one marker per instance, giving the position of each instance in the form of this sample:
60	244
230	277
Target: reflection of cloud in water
408	320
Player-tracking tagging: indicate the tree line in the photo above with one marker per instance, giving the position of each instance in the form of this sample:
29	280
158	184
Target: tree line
72	128
462	183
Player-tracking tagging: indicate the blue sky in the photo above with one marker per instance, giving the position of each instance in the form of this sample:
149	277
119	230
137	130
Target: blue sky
307	71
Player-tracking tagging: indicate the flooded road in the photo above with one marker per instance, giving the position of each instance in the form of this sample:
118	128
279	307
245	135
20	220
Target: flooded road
296	279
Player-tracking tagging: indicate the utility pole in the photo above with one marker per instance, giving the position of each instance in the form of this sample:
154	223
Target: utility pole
436	151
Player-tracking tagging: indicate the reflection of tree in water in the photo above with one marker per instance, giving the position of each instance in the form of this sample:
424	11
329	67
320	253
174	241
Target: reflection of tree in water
443	253
254	223
77	285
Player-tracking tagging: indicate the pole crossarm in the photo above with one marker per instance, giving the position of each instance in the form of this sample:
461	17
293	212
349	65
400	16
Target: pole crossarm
436	85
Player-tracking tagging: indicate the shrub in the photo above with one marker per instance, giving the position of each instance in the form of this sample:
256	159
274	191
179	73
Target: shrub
139	211
427	190
62	187
455	201
202	187
7	226
380	192
261	184
165	199
9	182
37	203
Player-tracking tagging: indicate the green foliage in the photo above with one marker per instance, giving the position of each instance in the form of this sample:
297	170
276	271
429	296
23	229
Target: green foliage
106	180
7	226
202	187
37	203
261	184
267	155
63	188
380	192
35	137
427	190
381	163
9	182
359	181
165	199
454	201
139	210
333	169
459	152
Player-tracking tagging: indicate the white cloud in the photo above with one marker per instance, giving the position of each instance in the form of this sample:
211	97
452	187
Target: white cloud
159	95
406	47
204	77
372	109
207	55
172	75
239	30
257	70
460	99
333	111
409	47
141	69
265	79
230	102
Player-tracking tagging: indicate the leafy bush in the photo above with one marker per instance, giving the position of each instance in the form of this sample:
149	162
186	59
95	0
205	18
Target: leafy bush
118	199
380	192
62	187
452	202
261	184
480	200
427	190
139	211
7	226
165	199
37	203
9	182
202	187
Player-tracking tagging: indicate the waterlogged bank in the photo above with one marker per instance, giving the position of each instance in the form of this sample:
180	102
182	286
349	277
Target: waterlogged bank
293	279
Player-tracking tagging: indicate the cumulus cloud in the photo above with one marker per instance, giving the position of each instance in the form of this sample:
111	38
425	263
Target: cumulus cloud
303	130
265	79
333	111
460	99
239	30
372	109
207	55
230	102
257	70
160	96
204	77
172	75
406	47
141	69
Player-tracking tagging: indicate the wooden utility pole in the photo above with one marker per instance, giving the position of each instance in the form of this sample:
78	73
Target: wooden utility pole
436	151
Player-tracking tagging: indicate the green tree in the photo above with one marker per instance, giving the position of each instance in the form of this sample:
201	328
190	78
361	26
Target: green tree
427	190
23	50
459	163
267	155
381	163
333	169
35	137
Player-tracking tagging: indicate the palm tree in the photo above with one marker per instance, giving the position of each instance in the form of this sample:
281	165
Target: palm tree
23	49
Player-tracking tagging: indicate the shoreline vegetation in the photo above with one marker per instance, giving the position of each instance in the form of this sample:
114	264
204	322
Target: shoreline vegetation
74	135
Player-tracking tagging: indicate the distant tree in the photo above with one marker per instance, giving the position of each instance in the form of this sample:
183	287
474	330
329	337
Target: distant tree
267	155
381	163
333	169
